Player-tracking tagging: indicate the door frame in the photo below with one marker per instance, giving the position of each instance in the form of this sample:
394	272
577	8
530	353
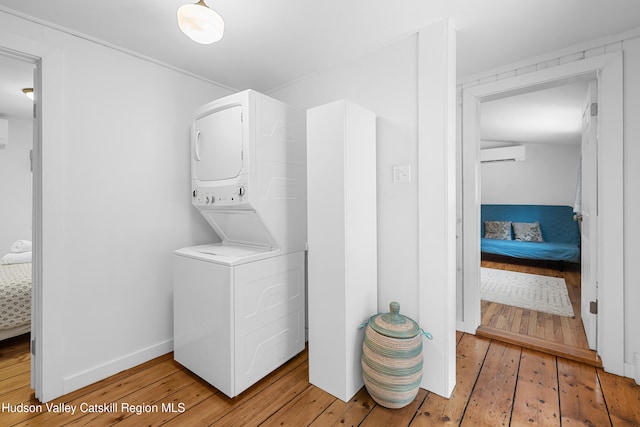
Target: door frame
47	344
609	71
588	228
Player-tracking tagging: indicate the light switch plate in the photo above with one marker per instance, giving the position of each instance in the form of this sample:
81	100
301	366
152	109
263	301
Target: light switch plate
402	173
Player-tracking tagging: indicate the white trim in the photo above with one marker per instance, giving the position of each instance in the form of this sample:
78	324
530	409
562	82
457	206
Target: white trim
105	370
533	64
629	370
471	315
53	229
436	204
610	221
610	273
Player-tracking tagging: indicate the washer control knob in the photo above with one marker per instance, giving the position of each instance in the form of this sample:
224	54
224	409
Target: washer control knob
240	191
195	193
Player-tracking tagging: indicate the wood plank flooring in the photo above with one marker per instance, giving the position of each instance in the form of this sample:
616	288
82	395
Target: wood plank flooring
560	335
498	384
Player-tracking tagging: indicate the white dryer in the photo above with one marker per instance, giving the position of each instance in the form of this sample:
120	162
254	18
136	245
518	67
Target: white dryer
239	306
248	171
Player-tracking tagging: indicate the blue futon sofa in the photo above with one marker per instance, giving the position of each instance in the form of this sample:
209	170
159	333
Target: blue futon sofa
560	232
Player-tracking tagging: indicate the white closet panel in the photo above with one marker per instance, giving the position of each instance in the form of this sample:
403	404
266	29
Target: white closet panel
342	263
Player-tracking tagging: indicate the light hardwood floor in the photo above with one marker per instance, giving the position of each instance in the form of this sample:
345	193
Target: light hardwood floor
497	384
563	336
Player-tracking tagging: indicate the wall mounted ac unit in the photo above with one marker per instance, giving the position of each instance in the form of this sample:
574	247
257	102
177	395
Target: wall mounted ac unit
4	132
514	153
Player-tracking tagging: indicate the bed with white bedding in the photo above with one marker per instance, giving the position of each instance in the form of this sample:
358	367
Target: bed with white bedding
15	293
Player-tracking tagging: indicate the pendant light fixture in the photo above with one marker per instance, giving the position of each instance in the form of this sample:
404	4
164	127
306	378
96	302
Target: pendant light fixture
200	23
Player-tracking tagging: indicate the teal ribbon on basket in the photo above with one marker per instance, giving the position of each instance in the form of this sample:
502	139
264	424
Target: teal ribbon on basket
426	334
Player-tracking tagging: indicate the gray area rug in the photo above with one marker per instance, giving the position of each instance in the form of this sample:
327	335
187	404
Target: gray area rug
530	291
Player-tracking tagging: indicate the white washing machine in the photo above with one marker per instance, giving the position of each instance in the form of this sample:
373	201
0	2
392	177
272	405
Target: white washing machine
240	316
239	306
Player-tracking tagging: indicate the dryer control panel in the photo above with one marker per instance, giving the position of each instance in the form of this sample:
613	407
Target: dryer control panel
231	195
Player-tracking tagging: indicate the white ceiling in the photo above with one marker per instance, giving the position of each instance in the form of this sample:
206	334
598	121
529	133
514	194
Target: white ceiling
549	116
270	43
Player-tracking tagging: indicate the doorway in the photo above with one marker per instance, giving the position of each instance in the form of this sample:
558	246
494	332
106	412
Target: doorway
16	143
16	192
531	155
47	363
608	69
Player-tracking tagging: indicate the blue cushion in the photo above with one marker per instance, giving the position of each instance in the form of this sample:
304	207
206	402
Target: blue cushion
560	232
532	250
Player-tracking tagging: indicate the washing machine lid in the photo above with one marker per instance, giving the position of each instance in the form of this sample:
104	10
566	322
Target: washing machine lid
217	146
226	254
240	226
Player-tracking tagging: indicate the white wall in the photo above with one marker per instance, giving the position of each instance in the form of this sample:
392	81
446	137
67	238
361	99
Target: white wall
124	201
15	184
547	176
128	200
384	82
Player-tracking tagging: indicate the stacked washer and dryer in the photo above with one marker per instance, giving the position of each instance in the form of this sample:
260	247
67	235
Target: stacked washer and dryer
239	305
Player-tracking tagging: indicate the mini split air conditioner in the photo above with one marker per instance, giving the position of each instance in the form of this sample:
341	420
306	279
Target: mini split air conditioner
514	153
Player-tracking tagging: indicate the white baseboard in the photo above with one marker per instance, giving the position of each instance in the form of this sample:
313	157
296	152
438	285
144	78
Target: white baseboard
465	327
90	376
630	372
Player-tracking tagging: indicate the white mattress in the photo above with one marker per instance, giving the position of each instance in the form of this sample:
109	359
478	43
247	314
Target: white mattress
15	297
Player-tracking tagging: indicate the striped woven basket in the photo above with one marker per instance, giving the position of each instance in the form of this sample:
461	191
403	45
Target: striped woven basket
392	359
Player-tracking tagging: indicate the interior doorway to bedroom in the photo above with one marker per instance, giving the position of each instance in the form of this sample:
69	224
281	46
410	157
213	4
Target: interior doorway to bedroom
608	70
16	144
17	130
531	155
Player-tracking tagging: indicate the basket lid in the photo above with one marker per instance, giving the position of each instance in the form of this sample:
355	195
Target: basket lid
394	324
